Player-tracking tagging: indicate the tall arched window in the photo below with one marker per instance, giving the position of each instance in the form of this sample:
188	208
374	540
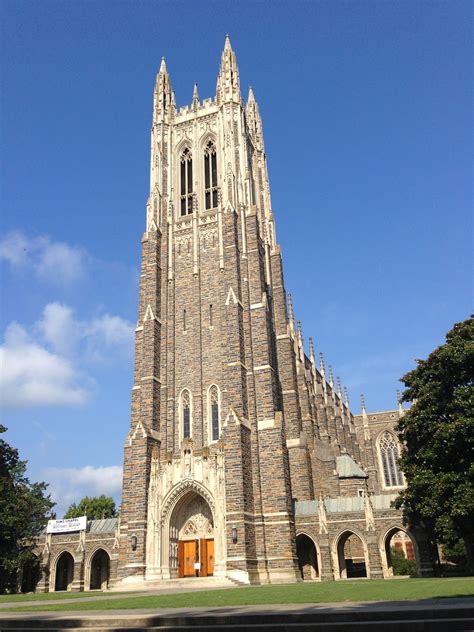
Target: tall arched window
186	413
186	186
389	451
210	175
214	412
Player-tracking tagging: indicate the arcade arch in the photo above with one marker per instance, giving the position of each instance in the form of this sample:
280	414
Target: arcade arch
99	570
64	572
307	557
399	540
351	556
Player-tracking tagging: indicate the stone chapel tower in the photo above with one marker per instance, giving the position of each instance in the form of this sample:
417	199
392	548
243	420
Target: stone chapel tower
227	411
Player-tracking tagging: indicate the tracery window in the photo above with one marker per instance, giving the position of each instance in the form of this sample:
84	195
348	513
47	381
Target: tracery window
186	413
214	412
389	451
210	175
186	186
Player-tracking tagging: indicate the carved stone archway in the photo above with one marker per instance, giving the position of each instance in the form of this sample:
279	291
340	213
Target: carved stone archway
350	555
63	572
308	556
187	512
190	520
409	548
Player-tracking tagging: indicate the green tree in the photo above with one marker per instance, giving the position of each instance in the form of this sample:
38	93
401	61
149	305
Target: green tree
24	511
94	507
401	565
438	437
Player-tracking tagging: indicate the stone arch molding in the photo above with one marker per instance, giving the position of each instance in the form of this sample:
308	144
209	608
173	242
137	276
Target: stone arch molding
383	543
174	496
88	562
335	549
54	564
313	539
205	138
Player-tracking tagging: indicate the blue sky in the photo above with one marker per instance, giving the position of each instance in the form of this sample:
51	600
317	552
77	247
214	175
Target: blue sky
366	109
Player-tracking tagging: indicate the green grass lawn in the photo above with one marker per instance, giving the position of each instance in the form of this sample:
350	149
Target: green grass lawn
56	595
325	592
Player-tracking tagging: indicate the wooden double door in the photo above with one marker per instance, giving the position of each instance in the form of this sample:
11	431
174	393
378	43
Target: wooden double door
195	558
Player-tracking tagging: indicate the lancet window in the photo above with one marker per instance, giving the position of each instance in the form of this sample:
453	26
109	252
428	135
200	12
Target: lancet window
210	175
389	451
186	413
214	412
186	182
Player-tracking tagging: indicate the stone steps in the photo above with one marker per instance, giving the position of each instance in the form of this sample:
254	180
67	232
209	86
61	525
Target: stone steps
448	617
431	625
172	584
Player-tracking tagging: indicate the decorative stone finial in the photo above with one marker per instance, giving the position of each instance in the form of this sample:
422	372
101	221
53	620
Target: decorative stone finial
321	363
331	378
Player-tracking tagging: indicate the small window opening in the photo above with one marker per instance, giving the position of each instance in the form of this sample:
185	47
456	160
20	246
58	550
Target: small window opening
214	401
210	176
186	183
186	411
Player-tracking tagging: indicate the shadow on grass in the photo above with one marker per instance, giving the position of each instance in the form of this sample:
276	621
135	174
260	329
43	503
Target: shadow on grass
221	618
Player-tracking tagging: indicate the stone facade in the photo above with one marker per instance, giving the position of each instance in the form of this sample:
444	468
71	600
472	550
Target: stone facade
239	440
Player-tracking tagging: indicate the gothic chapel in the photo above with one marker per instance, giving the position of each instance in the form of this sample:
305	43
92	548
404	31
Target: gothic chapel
243	459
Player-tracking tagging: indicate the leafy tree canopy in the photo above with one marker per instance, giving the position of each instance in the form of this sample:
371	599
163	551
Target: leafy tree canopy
94	507
24	511
438	435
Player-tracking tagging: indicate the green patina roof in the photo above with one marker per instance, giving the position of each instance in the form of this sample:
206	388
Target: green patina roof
107	525
347	468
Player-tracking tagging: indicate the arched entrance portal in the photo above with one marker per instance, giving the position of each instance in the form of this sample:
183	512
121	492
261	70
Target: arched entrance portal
351	556
100	570
64	572
192	537
30	575
399	553
307	557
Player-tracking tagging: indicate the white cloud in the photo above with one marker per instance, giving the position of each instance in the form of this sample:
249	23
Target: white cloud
46	366
69	485
14	248
93	339
30	375
52	261
57	327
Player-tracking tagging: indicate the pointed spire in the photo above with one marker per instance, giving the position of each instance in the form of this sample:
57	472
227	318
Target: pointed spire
195	104
300	329
346	396
339	389
321	364
291	315
399	401
364	410
331	378
164	104
311	352
228	84
251	97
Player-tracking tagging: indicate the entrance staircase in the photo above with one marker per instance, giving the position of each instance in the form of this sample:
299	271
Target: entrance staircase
178	585
449	615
